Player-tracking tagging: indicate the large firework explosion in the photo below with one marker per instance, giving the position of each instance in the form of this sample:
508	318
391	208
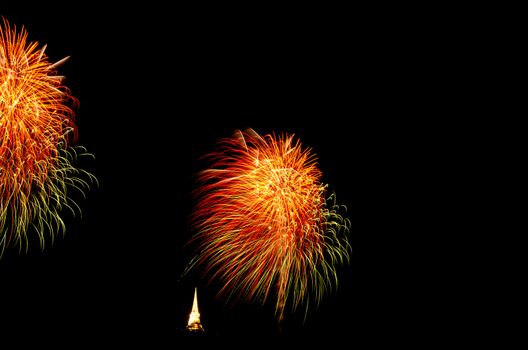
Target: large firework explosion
36	128
264	225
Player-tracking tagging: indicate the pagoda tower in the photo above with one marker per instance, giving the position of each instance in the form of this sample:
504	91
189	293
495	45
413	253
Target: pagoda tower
194	324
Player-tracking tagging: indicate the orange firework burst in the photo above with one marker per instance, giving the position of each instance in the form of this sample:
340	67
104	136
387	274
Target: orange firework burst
36	125
264	224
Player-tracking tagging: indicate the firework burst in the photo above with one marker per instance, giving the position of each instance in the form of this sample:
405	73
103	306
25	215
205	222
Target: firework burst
264	225
36	129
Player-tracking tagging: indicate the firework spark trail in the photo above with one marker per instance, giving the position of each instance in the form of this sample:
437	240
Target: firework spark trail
264	226
36	127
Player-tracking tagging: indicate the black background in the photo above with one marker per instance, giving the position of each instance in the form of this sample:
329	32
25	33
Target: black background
158	87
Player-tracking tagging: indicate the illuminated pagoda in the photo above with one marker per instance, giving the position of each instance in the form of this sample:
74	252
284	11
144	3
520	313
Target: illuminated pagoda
194	324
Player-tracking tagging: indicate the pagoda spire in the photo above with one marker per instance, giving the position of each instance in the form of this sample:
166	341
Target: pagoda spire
194	324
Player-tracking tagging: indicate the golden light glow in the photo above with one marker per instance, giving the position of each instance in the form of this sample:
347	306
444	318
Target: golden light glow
194	323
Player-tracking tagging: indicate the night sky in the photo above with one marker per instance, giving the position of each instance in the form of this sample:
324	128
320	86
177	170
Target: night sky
158	87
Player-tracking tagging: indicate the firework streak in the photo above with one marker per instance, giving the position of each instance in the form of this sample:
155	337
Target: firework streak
36	125
264	226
